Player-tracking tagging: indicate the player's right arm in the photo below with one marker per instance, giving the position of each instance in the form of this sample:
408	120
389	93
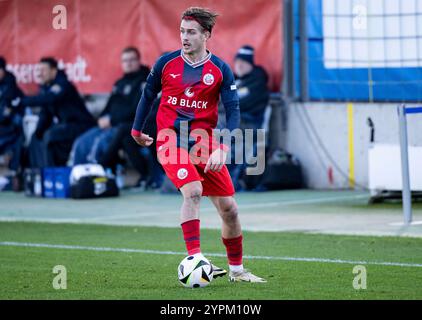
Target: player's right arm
152	88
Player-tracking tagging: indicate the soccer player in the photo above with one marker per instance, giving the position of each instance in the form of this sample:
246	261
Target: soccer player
192	80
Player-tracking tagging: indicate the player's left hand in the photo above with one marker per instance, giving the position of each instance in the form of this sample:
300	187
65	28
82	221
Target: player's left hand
216	161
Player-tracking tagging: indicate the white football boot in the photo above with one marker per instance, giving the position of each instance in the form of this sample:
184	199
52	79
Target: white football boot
244	276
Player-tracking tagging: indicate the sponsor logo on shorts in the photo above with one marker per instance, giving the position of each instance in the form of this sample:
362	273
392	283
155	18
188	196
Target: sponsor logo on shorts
182	173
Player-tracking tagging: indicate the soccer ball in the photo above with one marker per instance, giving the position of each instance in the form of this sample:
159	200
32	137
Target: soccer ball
195	271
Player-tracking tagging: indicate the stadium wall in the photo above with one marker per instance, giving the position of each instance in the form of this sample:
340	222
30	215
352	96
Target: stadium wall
317	133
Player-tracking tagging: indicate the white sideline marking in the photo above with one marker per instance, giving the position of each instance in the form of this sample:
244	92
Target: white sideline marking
399	224
241	207
72	247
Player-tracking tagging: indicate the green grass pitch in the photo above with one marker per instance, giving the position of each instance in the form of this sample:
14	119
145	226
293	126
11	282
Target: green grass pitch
27	272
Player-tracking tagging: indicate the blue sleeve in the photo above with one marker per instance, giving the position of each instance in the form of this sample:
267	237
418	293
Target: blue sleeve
230	98
152	88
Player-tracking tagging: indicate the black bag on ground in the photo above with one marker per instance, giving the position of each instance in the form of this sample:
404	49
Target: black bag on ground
94	187
91	181
283	172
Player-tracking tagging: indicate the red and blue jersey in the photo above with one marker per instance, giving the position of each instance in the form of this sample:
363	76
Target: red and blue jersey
190	92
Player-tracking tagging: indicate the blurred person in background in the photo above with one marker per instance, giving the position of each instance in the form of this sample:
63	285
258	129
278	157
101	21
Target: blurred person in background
11	134
62	119
251	83
102	143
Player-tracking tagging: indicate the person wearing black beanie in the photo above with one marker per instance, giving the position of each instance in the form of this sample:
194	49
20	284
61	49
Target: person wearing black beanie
251	83
246	53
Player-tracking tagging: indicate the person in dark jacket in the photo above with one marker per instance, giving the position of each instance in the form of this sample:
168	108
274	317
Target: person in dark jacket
11	134
251	83
62	119
102	143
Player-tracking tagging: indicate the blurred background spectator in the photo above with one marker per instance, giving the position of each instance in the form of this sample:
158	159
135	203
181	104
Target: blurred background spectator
62	119
11	135
251	83
102	143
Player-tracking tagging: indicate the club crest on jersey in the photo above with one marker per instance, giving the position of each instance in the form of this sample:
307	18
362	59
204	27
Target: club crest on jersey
182	173
208	79
188	92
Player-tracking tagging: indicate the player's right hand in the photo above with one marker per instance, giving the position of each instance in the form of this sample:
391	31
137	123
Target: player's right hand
143	140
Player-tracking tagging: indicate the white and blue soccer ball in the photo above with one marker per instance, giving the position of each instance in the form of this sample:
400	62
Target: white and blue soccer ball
195	271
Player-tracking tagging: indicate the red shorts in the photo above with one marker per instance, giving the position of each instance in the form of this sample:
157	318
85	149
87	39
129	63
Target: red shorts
182	172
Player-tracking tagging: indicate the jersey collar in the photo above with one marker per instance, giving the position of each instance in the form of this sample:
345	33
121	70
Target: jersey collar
195	64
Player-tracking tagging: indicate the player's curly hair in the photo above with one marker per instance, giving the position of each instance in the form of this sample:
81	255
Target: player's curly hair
205	17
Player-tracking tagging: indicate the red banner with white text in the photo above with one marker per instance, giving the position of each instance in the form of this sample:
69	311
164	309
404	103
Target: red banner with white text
87	37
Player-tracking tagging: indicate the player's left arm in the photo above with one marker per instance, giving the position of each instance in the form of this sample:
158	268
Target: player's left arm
230	101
